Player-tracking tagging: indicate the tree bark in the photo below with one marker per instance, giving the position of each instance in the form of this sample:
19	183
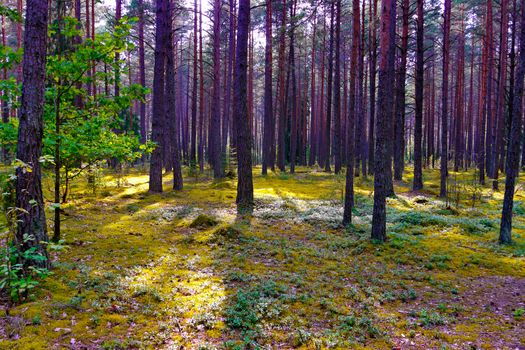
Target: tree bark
444	101
349	181
29	199
244	141
215	145
268	94
157	118
513	151
383	120
418	116
399	125
337	87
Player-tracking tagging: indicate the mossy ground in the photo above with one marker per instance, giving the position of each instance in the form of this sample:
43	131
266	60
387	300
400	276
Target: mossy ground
135	274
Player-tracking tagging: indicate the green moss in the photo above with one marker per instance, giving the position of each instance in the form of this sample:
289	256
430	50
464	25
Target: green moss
203	221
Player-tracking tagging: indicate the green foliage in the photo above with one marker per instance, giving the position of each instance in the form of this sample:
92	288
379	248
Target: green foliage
10	13
16	279
9	134
91	128
252	305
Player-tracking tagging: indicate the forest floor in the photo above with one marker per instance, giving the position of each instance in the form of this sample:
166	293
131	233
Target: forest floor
178	270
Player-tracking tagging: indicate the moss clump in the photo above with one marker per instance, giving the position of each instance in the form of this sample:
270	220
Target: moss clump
203	221
229	232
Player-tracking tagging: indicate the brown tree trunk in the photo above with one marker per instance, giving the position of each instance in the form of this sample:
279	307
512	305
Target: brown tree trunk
268	94
372	71
244	142
500	97
215	138
281	156
170	101
349	181
157	118
513	151
29	199
444	101
142	70
337	88
418	115
328	126
399	125
384	119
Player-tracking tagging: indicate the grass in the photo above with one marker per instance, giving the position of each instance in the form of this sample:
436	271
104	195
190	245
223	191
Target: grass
178	269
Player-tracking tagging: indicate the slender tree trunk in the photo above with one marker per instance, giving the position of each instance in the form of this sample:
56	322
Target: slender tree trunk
500	97
215	139
201	96
399	125
142	70
193	147
372	72
513	151
281	156
313	104
244	141
337	88
328	126
170	101
384	120
157	118
444	101
349	185
227	96
268	94
418	126
29	199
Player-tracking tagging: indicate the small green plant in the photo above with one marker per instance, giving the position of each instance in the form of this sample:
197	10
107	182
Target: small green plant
16	279
519	312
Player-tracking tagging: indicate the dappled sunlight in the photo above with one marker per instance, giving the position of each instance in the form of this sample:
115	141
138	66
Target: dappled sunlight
182	269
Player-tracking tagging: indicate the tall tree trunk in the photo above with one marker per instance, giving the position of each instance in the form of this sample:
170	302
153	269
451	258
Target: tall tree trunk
418	116
281	155
313	103
372	71
399	125
244	141
444	101
328	126
142	70
215	135
268	94
228	88
383	120
193	147
157	118
500	97
489	112
293	92
201	96
118	16
513	151
460	100
337	88
170	101
349	181
29	199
